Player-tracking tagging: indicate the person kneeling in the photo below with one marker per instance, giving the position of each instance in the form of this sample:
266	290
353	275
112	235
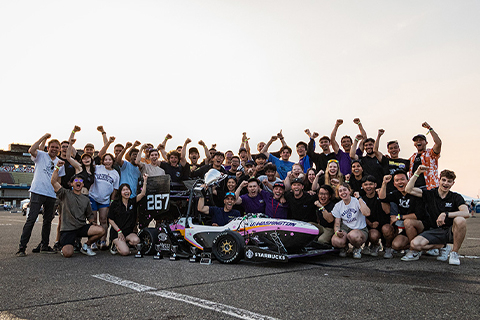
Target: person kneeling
122	216
76	210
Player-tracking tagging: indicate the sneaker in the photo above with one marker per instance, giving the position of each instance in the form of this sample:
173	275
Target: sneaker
77	246
37	248
367	250
94	246
444	252
432	252
411	255
454	259
47	249
388	253
357	253
21	252
113	249
342	253
57	246
103	245
374	251
87	250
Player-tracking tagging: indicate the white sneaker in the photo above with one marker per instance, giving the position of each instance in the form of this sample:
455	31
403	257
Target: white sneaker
388	253
444	252
87	250
432	252
374	251
454	259
357	253
94	246
411	255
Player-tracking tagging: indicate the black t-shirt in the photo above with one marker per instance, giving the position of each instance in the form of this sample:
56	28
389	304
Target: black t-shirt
408	204
372	166
393	165
302	209
321	219
69	172
420	182
376	210
124	216
436	205
88	179
178	173
319	159
355	184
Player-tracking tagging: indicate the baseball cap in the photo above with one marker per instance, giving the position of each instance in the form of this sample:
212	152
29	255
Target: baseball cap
279	184
421	136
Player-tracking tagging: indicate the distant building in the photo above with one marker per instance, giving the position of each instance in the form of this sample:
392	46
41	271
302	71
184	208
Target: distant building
16	174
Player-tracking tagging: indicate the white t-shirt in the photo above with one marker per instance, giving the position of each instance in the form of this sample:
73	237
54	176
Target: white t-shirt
264	177
350	214
42	176
105	182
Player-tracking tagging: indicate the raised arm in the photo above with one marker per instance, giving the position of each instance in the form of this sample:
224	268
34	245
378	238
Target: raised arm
410	187
54	180
138	160
315	184
144	188
282	139
106	146
71	159
207	152
162	145
437	147
382	193
311	143
239	189
364	209
333	136
267	145
104	134
34	147
135	144
362	130
201	206
183	154
119	158
353	149
246	145
378	154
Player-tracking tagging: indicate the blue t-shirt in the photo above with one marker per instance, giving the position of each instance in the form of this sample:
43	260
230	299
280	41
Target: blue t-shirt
130	175
283	167
220	217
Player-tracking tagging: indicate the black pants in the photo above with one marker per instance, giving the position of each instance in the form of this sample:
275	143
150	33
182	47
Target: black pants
36	202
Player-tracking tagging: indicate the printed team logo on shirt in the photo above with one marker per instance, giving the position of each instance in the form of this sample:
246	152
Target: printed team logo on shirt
404	203
448	205
104	177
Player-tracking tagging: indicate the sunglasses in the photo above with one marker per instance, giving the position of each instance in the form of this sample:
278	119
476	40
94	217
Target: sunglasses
77	180
332	160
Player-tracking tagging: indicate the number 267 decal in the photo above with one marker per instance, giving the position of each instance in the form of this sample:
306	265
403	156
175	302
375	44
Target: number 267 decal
157	201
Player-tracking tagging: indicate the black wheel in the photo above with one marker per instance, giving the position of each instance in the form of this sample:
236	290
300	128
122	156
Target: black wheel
228	247
149	238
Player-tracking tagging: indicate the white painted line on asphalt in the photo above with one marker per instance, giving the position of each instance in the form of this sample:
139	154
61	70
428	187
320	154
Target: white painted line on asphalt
125	283
206	304
473	238
470	257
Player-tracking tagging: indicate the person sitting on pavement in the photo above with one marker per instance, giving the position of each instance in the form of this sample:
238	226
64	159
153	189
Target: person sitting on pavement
448	212
350	224
122	217
76	210
325	219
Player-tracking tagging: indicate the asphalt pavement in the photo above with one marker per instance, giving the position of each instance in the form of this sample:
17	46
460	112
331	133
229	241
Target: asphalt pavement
48	286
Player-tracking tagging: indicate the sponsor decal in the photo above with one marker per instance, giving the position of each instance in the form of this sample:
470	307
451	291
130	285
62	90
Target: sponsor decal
271	256
165	246
273	223
162	237
404	203
249	254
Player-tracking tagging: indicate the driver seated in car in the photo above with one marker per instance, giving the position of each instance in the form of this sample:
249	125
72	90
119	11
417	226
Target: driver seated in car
220	216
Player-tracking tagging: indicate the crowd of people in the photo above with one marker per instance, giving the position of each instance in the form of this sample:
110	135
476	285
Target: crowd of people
356	196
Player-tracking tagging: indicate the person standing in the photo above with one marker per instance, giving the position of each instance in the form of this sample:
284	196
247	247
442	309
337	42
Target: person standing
42	194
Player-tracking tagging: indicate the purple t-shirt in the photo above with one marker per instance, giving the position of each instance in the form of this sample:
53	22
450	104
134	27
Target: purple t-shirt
256	204
275	209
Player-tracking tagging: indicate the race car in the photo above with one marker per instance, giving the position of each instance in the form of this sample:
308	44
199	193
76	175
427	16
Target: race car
254	237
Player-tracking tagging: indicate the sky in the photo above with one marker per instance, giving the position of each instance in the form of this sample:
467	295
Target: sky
211	70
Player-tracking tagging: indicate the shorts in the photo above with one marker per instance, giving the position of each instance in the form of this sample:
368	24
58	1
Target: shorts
438	235
68	237
114	234
347	230
95	205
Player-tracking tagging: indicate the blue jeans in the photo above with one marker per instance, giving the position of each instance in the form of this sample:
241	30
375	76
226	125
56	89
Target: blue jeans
36	202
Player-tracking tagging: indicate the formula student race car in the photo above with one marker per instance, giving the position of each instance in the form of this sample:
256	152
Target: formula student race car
254	237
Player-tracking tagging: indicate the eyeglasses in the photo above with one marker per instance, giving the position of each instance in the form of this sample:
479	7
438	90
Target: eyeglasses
332	160
77	180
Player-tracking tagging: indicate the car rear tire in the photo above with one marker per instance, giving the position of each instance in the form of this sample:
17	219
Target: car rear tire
149	238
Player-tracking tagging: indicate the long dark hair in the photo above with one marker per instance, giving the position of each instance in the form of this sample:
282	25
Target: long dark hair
92	163
118	196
